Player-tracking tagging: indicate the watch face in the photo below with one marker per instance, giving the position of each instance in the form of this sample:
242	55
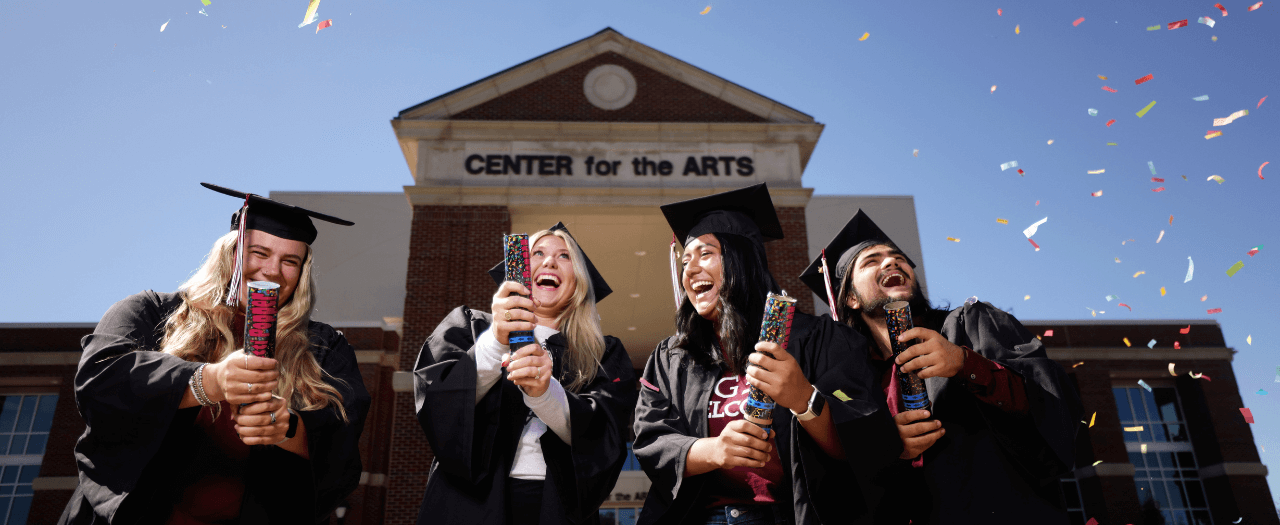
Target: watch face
817	403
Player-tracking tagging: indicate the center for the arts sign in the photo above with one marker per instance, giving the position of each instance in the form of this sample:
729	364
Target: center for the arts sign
642	166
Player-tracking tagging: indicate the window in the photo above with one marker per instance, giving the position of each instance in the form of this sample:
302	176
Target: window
1166	473
1071	494
24	432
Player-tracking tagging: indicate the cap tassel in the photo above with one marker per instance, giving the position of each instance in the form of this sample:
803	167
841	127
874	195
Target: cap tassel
675	271
831	297
233	289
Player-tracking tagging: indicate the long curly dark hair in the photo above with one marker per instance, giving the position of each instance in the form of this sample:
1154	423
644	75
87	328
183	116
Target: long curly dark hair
746	284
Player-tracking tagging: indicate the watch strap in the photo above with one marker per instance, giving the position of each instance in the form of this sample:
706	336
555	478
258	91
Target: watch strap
809	413
293	425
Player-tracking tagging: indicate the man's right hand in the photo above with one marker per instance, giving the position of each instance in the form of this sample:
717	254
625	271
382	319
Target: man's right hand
508	301
917	436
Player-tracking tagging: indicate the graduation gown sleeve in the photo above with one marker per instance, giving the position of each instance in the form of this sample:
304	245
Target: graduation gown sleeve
444	385
334	444
665	428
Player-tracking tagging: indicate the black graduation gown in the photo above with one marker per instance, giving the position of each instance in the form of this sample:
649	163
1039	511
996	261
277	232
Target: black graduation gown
475	443
821	490
991	467
137	446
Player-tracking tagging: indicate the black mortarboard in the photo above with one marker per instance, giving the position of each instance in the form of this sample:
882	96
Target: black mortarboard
747	212
858	234
279	219
598	285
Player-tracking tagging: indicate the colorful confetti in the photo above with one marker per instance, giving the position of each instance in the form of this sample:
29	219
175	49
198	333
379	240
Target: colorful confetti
864	36
1112	297
1278	374
1186	330
1152	166
841	395
1110	122
1007	165
165	24
1031	230
1255	7
1206	21
1033	243
1142	112
1160	237
1048	333
1155	179
1262	392
915	153
1097	193
1151	343
1144	384
1144	79
999	12
1215	178
1093	112
323	24
1231	272
1220	8
1126	342
1161	291
1248	416
1077	24
1135	276
1191	268
1050	142
993	88
705	10
1171	372
1126	306
1026	298
1211	134
1201	98
1108	88
1134	429
1264	164
1002	221
1254	251
1093	419
1260	101
1229	119
1153	28
1097	172
310	16
1212	311
953	239
1143	447
648	385
1158	190
1017	30
1249	339
1175	25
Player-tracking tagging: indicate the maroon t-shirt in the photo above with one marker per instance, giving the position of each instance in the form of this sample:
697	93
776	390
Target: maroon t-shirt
739	485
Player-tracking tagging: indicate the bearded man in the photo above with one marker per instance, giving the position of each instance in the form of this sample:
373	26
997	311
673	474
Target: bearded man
1002	427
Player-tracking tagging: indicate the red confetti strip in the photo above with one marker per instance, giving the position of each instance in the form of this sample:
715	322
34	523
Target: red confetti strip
616	379
1248	416
1253	252
1158	190
999	12
1110	122
1077	22
324	24
1108	88
1033	243
1177	346
1150	75
647	384
1097	193
1260	170
1186	330
1215	311
1255	7
1175	25
1020	172
1260	101
1048	333
1220	8
1127	306
1157	179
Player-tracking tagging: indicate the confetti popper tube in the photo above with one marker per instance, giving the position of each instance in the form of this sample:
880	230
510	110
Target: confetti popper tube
260	314
911	389
776	329
516	248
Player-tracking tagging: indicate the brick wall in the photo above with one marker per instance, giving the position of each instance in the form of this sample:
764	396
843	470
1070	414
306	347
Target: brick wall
790	256
560	98
450	248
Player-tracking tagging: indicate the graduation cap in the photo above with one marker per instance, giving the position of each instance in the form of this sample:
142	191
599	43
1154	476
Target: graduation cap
265	215
858	234
598	285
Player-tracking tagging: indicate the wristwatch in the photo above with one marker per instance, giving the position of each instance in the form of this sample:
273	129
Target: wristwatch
816	403
293	425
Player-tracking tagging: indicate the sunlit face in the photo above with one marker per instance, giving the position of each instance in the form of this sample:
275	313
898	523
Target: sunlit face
271	258
881	275
703	275
552	276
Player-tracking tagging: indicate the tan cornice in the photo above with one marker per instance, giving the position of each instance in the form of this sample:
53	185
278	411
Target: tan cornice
552	196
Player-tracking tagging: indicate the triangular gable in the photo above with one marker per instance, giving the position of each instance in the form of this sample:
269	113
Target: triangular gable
550	88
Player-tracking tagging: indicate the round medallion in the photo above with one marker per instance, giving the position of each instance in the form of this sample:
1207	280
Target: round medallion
609	87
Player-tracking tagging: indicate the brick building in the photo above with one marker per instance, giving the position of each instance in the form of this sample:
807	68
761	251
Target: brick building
598	134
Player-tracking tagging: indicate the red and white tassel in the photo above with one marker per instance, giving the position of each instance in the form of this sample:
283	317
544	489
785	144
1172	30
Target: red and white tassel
675	270
233	289
831	298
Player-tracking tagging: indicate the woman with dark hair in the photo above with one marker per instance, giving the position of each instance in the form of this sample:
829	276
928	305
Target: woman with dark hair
707	463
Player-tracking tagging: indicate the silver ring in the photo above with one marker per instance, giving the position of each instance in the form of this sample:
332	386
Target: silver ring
249	386
273	418
246	360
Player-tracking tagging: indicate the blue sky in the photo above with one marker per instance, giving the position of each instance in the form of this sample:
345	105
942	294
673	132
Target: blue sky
108	124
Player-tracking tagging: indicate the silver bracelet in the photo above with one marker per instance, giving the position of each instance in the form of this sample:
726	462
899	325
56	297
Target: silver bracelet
197	386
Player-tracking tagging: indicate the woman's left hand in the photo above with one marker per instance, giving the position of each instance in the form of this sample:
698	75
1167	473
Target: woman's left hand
254	426
779	376
530	369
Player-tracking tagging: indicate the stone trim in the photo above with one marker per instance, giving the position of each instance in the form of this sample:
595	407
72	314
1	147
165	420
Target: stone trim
550	196
55	483
1106	469
402	381
1233	469
1141	354
605	41
39	358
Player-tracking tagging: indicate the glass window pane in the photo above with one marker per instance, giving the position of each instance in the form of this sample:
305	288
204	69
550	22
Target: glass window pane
25	414
1144	490
1195	494
608	517
7	489
1167	401
4	442
35	445
10	474
1176	499
1177	433
1122	405
9	413
44	413
1136	458
1181	517
29	472
1148	404
19	444
4	505
21	506
1166	459
1157	433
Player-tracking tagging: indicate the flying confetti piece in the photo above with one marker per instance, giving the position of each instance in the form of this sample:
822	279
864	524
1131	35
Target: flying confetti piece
953	239
1097	193
1177	345
1144	79
1195	375
1231	272
1097	172
1254	251
1007	165
1126	306
1153	28
1142	112
1191	268
1249	339
1002	221
1048	333
1144	384
648	385
1033	243
1026	298
1160	237
1135	276
842	396
999	12
1037	203
1212	311
1186	330
1112	297
1201	98
1171	372
1093	419
705	10
1143	447
864	36
1264	164
323	24
1092	311
1093	112
1020	172
1151	343
1017	30
1117	260
1110	122
203	13
310	16
1113	144
1224	121
166	23
1211	134
1248	416
1175	25
1158	190
1220	8
1214	178
1155	179
1108	88
1091	520
1133	429
1263	99
1031	230
1214	38
993	88
1206	21
1077	364
1050	142
1077	24
1202	299
205	2
1152	166
1161	291
915	153
1255	7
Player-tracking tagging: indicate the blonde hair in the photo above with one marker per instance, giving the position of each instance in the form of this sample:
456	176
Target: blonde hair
579	321
200	329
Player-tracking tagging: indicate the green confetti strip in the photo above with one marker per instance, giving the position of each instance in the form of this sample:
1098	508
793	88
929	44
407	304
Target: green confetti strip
1231	272
1144	111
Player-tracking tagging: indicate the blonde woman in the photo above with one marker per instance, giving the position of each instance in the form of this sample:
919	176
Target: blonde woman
184	427
534	434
